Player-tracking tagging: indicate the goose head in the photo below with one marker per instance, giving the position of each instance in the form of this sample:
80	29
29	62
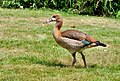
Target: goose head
54	18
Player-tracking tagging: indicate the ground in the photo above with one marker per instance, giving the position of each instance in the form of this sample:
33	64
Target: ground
28	51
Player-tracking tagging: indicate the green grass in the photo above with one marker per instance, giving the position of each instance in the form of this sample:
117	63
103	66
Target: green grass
28	51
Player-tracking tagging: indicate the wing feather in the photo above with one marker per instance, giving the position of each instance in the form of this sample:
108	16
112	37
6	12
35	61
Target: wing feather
77	35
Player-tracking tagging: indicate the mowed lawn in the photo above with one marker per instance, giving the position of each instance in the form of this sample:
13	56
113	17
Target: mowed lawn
28	51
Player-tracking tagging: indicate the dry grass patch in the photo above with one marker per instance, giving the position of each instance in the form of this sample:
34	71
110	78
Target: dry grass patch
92	21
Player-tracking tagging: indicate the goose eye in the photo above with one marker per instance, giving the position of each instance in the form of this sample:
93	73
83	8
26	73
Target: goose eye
53	16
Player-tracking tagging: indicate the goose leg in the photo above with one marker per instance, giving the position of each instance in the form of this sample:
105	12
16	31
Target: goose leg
83	57
74	58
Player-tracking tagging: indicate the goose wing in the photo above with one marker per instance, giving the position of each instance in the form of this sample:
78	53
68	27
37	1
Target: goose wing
78	35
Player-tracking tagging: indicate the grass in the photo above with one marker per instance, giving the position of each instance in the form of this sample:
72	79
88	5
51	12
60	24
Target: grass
28	51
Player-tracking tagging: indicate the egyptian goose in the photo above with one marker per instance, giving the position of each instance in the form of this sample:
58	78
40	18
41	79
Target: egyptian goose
72	40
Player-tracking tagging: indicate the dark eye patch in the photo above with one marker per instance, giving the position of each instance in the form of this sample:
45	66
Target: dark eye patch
53	16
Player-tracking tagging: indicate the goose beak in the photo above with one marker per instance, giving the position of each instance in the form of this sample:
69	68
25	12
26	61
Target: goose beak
50	20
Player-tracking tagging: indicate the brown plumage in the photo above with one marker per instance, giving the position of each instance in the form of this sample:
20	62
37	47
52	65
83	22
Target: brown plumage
77	35
72	40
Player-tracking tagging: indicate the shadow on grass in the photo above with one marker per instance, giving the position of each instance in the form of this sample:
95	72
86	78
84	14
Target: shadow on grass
36	60
50	63
88	66
56	63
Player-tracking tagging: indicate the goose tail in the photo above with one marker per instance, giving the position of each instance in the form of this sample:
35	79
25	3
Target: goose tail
100	44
